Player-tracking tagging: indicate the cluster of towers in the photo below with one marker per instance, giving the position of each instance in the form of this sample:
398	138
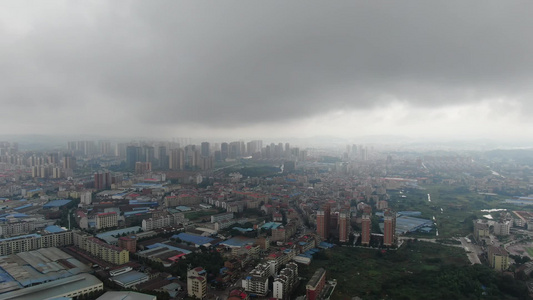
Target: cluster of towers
389	227
328	223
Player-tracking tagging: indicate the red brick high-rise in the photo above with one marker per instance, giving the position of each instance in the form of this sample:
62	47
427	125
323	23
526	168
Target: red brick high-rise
366	226
322	222
389	229
344	226
316	284
128	243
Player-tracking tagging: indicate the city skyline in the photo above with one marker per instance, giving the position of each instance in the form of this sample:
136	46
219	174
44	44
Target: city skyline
444	70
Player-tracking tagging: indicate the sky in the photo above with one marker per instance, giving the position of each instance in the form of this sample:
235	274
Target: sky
267	69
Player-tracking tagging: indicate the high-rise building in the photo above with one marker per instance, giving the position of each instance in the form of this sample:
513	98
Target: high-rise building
224	151
143	167
163	157
197	283
322	222
133	155
344	226
176	159
69	162
366	225
105	147
389	229
205	151
102	180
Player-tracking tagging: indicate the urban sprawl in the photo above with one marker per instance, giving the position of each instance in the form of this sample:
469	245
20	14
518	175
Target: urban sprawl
237	220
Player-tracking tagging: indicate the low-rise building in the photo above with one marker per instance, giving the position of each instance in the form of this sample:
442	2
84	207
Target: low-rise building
100	249
130	279
481	229
163	221
106	220
126	295
316	284
30	242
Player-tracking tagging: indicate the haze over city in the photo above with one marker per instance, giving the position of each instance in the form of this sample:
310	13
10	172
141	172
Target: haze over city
271	69
290	150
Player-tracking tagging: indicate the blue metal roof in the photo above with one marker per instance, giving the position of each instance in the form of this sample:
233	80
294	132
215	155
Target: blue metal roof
23	206
191	238
156	245
54	229
20	236
135	212
271	225
57	203
129	277
238	241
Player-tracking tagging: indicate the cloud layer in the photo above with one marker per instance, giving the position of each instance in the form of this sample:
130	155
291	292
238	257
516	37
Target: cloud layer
212	67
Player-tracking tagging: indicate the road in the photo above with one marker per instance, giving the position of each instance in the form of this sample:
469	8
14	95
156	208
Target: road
472	251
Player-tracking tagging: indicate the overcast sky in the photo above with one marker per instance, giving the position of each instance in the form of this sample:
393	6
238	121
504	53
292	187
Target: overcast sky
265	69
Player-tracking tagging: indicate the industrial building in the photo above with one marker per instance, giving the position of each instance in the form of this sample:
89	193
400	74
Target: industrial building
70	287
126	295
131	278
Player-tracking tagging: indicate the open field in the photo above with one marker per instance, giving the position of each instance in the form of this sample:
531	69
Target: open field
419	270
530	251
454	208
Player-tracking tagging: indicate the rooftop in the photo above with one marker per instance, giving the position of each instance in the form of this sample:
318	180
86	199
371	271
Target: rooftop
129	277
54	229
316	277
57	203
126	296
54	288
192	238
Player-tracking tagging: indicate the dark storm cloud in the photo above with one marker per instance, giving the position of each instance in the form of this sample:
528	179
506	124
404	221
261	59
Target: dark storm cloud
229	63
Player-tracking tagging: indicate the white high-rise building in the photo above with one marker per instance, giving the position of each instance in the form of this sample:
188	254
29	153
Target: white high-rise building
86	198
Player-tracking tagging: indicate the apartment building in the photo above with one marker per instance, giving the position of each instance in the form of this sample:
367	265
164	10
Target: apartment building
502	227
163	221
316	284
30	242
498	258
286	281
257	280
12	228
100	249
197	283
106	220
